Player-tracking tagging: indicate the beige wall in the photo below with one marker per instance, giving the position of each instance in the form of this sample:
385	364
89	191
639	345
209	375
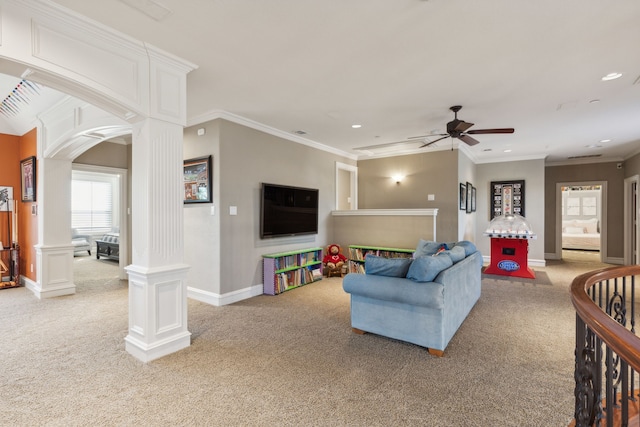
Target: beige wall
108	154
426	173
605	172
467	221
243	159
632	166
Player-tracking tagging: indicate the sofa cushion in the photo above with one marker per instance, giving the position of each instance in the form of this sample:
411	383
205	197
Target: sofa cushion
468	246
427	247
456	253
391	267
426	268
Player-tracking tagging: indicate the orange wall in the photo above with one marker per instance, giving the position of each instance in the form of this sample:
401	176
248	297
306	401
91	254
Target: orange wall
27	223
9	177
12	150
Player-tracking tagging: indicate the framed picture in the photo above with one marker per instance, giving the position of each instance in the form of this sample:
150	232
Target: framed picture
463	197
28	179
469	192
197	180
6	195
473	199
507	197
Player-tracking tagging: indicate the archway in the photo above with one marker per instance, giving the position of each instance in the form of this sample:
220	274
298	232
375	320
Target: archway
145	90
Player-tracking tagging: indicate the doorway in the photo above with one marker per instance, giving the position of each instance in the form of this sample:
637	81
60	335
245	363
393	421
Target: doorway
581	218
112	215
346	187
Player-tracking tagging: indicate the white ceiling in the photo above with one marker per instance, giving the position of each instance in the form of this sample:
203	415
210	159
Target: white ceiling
396	66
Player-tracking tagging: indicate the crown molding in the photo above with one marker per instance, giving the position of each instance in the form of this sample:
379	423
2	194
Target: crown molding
234	118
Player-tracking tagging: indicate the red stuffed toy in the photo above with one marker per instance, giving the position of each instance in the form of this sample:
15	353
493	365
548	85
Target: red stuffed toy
334	259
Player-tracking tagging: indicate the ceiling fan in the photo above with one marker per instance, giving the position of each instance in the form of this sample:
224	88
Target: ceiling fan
458	129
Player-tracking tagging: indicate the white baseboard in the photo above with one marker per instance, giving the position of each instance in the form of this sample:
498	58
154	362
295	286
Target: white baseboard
614	260
229	298
50	292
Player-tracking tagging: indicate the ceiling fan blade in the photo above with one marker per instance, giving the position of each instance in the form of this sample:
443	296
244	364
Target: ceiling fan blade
484	131
434	141
463	126
426	136
468	140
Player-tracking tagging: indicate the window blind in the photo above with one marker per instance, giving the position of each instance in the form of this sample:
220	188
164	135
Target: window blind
91	206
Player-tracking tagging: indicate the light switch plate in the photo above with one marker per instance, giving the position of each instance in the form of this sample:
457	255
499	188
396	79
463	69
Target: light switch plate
233	210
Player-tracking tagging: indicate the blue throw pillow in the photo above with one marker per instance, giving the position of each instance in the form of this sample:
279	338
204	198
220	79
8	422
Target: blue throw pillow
392	267
426	268
468	246
427	247
456	253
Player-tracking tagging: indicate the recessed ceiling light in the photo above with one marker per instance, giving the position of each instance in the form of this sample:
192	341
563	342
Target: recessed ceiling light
593	146
594	101
611	76
356	126
605	140
508	150
487	149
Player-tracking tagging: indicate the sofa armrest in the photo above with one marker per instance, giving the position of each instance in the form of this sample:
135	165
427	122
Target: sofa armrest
86	237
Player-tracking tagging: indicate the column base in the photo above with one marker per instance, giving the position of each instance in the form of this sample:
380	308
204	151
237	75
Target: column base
157	311
54	272
148	352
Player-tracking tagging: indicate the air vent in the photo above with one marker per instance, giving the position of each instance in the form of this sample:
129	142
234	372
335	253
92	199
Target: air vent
587	156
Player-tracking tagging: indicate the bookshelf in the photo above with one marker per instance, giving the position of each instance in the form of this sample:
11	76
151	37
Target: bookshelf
357	254
289	270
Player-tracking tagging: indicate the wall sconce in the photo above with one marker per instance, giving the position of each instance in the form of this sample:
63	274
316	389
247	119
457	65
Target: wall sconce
397	178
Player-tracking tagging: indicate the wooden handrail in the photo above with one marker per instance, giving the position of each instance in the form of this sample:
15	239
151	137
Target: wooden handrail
622	341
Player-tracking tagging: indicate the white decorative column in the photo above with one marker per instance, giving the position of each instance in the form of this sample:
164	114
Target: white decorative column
54	253
157	275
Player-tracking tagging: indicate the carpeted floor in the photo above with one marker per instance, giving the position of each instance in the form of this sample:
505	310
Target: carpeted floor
288	360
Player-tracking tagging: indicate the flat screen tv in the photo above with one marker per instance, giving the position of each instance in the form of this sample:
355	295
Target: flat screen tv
288	211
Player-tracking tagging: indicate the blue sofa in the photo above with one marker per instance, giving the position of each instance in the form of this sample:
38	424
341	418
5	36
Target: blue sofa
422	300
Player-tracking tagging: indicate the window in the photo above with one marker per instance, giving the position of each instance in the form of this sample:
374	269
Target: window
92	202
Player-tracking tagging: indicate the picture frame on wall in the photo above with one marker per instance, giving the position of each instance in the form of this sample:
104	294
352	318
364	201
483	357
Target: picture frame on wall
28	179
463	197
6	196
469	188
197	175
473	199
506	197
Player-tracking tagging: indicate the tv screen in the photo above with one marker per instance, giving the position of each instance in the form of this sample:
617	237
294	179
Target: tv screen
288	211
